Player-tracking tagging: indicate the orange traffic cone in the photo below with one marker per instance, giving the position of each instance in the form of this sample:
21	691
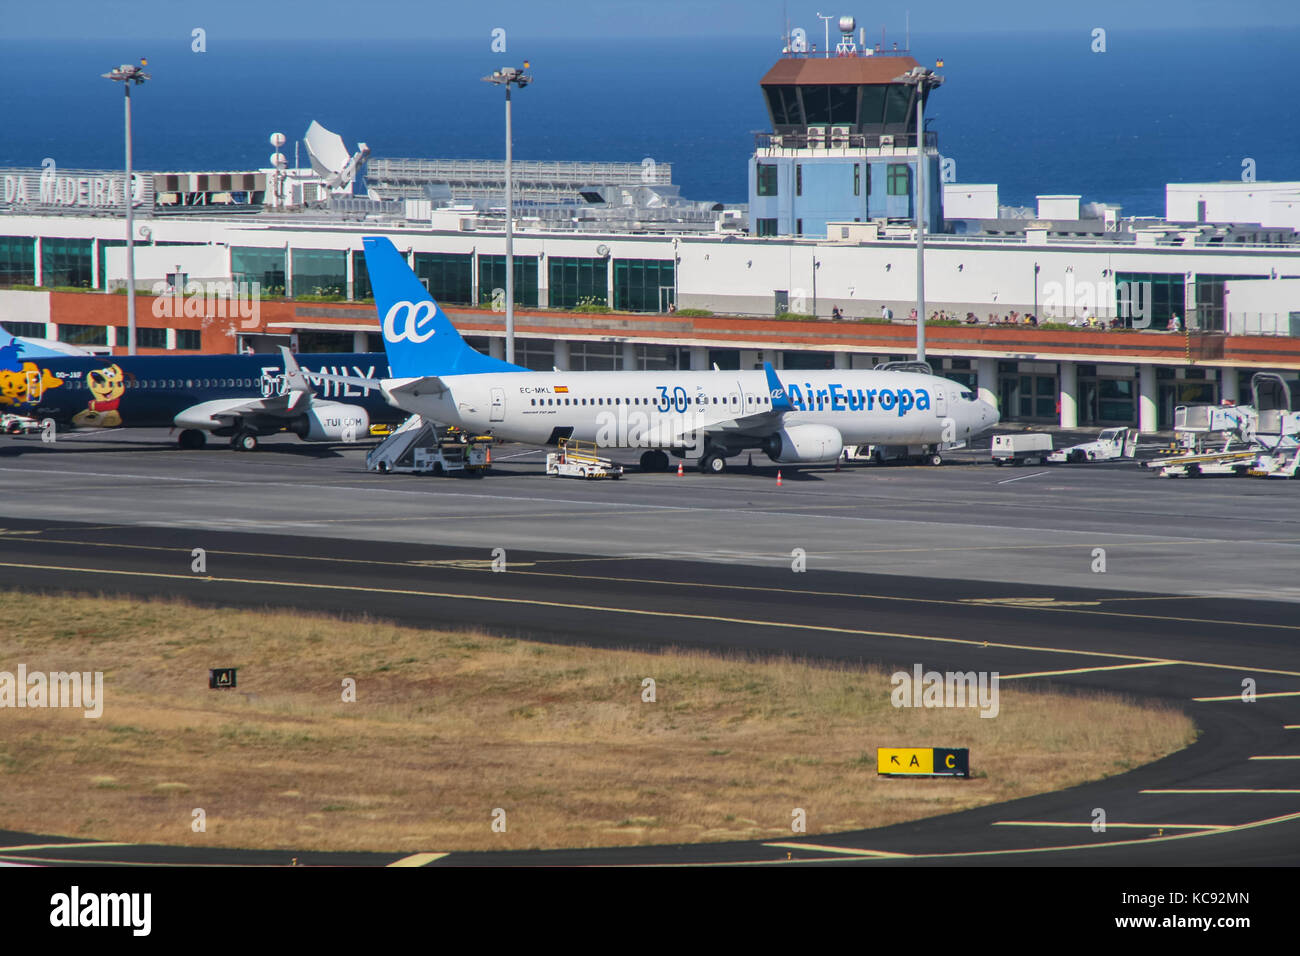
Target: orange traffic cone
778	478
679	469
489	454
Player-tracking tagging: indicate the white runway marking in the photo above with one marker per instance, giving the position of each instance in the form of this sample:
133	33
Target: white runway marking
1008	481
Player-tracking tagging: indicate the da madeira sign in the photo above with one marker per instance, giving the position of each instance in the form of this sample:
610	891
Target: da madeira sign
72	188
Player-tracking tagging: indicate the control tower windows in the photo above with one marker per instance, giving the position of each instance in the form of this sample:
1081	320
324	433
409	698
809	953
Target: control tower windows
766	179
783	104
897	102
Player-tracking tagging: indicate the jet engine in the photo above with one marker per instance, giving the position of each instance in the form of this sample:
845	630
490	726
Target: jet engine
332	421
804	444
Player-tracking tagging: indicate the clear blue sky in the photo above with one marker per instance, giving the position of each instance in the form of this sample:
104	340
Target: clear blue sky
525	19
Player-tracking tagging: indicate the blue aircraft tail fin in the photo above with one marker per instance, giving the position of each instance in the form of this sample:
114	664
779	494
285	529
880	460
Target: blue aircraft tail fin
780	400
14	350
418	337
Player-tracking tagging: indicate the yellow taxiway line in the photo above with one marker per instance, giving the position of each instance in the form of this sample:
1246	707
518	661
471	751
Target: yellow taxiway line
638	612
418	859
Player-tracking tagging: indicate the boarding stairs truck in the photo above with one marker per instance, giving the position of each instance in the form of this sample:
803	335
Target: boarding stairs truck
1216	440
1277	428
1111	444
422	447
578	459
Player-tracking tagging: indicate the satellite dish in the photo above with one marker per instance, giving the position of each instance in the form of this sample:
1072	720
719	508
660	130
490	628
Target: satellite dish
277	140
602	250
278	160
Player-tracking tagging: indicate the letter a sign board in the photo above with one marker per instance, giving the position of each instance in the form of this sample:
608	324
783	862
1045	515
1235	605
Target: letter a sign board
923	761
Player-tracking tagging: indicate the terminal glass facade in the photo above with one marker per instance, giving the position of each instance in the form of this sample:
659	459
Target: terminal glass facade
643	285
595	356
535	354
320	272
17	260
360	276
575	281
324	341
264	266
103	254
449	277
1108	395
1166	298
147	337
67	262
492	275
1211	304
84	334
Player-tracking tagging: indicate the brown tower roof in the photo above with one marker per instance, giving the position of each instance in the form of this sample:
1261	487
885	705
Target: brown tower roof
837	70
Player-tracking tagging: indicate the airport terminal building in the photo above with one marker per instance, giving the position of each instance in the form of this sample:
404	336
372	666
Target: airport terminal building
1131	317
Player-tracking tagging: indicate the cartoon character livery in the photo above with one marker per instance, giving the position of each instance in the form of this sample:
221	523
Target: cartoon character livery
242	397
799	418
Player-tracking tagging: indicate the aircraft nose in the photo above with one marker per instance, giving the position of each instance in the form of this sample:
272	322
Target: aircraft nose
989	413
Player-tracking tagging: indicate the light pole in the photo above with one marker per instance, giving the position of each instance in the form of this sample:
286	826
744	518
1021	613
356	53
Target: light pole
129	76
924	79
506	77
827	24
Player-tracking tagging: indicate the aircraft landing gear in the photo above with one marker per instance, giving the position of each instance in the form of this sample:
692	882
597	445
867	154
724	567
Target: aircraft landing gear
713	464
244	440
191	438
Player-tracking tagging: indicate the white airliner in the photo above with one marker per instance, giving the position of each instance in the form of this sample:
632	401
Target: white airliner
794	417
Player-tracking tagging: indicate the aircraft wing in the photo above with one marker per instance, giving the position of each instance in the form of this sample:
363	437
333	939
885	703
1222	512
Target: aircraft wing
424	385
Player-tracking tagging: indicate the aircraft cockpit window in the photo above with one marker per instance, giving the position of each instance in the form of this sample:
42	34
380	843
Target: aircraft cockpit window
968	395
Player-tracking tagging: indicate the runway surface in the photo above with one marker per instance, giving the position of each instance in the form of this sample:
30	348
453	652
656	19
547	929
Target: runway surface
950	567
1033	525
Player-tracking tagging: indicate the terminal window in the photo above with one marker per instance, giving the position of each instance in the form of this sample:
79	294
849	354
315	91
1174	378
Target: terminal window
492	276
17	260
766	227
150	338
26	330
83	334
447	276
766	179
191	340
66	262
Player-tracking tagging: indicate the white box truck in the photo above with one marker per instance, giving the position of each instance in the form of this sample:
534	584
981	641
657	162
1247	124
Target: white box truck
1019	449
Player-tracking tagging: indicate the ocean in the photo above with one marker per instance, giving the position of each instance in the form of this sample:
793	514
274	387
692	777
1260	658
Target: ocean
1032	112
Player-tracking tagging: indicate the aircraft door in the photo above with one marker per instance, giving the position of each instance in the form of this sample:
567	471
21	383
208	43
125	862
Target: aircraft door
941	402
498	407
34	386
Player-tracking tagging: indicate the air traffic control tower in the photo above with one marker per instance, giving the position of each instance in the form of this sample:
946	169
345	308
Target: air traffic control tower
843	145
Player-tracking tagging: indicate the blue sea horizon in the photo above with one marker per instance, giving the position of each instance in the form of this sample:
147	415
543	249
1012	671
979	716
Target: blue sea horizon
1035	113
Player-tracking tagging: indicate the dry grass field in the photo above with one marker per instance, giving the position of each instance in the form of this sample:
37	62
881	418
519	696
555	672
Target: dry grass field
447	727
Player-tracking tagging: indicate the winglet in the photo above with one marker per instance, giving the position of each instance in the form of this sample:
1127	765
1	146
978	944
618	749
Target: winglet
295	380
780	400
